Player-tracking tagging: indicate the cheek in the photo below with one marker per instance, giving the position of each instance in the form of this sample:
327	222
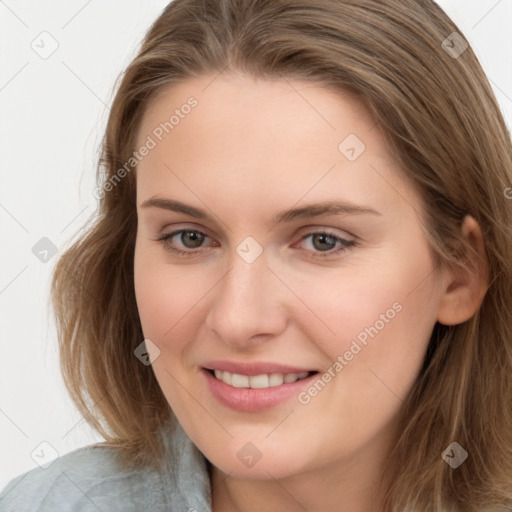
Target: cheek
169	299
373	322
167	302
345	304
374	357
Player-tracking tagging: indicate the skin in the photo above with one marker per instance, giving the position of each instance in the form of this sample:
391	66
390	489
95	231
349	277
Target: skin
248	150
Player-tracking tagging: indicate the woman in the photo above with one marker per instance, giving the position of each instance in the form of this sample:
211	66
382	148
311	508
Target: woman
296	295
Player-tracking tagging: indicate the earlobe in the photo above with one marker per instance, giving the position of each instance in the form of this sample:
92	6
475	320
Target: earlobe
464	289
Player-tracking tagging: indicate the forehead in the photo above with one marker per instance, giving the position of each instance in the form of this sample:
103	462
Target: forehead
259	104
262	135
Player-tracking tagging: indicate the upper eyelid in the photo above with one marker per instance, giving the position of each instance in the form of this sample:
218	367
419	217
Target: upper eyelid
176	231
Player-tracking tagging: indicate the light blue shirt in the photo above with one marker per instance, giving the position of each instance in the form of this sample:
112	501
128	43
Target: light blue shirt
90	479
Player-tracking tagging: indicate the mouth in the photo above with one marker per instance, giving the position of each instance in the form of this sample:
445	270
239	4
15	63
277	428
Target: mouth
262	381
258	392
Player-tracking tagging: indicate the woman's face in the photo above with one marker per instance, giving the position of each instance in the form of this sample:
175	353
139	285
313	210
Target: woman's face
300	250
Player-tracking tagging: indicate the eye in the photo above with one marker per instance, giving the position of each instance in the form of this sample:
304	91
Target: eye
187	238
186	242
324	243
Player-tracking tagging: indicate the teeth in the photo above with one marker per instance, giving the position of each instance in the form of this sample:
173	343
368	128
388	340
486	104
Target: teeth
276	379
239	381
258	381
290	377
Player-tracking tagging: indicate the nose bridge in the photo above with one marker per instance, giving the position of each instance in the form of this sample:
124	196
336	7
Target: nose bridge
247	300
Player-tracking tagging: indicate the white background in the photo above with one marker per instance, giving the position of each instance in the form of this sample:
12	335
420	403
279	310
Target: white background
52	115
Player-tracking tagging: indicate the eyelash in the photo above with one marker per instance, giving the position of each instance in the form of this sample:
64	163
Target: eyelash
345	244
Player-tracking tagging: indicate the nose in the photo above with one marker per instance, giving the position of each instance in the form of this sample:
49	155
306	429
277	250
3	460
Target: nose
248	304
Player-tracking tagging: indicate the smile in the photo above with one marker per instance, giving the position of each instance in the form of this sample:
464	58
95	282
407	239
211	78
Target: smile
262	381
255	393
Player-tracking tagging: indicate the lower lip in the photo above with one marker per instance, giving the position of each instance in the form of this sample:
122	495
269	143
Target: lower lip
253	400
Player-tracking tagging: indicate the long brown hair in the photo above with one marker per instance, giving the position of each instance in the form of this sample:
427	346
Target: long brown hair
432	100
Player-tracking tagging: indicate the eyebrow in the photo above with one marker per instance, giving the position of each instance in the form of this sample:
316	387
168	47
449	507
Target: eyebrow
312	210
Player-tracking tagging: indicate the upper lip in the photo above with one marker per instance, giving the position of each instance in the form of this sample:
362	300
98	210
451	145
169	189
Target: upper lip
254	368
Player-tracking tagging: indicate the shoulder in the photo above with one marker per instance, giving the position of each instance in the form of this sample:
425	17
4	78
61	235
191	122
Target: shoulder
87	479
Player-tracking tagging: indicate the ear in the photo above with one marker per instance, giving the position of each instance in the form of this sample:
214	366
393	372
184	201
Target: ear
464	290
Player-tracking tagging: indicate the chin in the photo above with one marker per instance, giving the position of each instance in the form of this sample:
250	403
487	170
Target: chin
248	463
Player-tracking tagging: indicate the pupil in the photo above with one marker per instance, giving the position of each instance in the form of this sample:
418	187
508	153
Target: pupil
192	239
323	241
